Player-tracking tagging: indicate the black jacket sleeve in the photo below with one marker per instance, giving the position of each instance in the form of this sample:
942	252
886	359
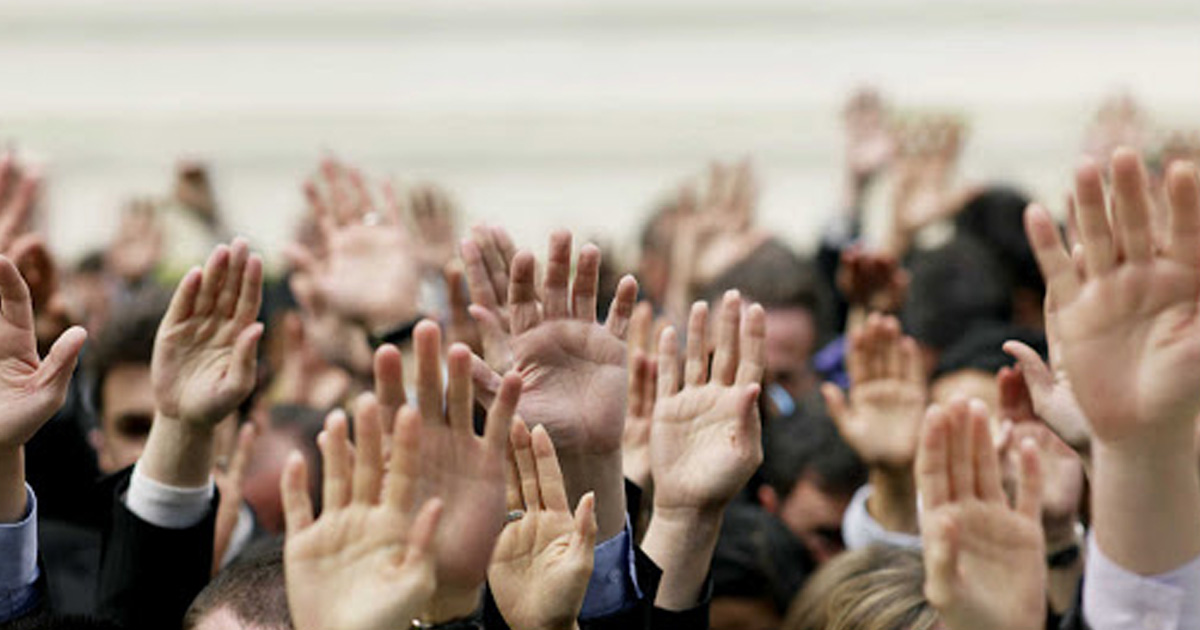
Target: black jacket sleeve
149	575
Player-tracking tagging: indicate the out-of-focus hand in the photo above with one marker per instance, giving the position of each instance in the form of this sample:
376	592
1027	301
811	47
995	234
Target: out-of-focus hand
923	192
705	439
985	561
18	194
137	247
205	354
1062	476
543	562
882	421
874	281
229	477
431	214
870	145
368	562
643	382
487	258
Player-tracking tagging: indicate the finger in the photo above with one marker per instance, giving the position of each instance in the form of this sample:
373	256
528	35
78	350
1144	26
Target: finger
502	412
558	276
335	455
725	358
586	284
584	539
423	532
368	460
933	465
856	357
987	466
427	344
835	403
321	212
892	354
695	369
668	363
479	281
16	214
1184	197
491	329
246	437
16	304
914	368
641	323
621	308
962	464
404	463
1029	490
498	265
752	359
1030	362
297	505
249	301
214	277
504	244
487	382
243	369
56	370
1052	256
239	253
638	373
531	491
183	302
550	477
513	498
941	562
1131	206
1091	214
459	397
524	310
751	424
389	384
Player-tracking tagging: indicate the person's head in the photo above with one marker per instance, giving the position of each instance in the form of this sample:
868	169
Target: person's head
953	288
995	218
876	588
249	594
118	363
968	368
811	474
797	305
757	568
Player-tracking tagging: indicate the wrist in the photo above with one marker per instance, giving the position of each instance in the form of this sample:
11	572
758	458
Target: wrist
451	604
893	499
602	474
178	453
13	497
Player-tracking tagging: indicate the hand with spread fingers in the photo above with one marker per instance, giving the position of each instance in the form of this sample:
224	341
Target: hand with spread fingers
1130	336
31	388
543	561
705	442
364	265
487	257
984	560
882	420
465	470
18	195
368	562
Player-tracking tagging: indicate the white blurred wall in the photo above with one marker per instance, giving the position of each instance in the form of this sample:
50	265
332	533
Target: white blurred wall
543	113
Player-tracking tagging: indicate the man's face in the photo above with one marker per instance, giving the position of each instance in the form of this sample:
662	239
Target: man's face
791	337
126	418
815	517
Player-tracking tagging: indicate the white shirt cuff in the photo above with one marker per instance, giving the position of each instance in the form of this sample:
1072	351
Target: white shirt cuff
168	507
1114	597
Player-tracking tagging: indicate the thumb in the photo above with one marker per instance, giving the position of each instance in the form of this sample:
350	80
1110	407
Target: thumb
242	371
835	402
584	539
487	381
56	369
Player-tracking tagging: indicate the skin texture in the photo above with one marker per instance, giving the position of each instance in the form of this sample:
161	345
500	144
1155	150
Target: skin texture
126	418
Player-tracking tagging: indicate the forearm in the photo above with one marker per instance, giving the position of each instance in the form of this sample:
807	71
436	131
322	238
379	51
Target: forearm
893	500
12	485
682	543
1147	503
601	473
178	453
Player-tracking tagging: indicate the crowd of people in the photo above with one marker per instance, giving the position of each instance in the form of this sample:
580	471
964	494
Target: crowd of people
993	426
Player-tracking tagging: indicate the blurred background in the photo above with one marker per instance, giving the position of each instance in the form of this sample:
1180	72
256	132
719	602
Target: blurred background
547	113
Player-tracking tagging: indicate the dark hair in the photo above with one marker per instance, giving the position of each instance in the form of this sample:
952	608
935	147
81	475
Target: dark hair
807	442
995	218
953	288
59	622
774	276
981	349
127	339
252	589
758	556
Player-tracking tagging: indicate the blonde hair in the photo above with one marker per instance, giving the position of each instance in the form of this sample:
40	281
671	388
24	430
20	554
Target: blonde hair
877	588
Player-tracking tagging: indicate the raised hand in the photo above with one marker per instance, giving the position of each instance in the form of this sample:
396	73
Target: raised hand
138	245
643	375
31	389
873	281
431	213
368	562
705	442
870	145
487	257
229	477
364	265
543	561
18	194
888	393
984	561
205	354
466	471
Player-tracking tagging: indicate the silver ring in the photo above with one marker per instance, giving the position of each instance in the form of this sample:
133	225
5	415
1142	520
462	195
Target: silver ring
372	219
514	516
